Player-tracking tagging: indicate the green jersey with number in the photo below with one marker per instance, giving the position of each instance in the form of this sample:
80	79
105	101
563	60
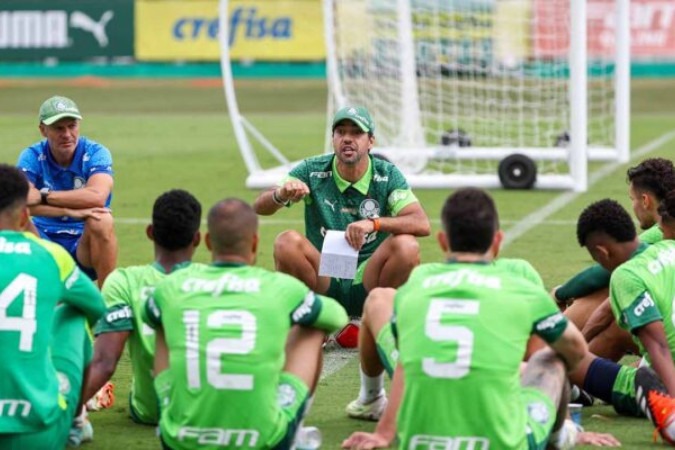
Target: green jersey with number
642	290
225	327
125	292
462	330
35	276
333	203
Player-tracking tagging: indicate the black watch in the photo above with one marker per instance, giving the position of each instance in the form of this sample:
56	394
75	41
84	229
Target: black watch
44	192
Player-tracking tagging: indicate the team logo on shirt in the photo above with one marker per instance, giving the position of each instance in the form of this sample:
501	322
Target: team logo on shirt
538	412
78	183
285	395
369	209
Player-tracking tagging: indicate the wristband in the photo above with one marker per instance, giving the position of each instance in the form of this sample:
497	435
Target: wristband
376	223
44	192
277	200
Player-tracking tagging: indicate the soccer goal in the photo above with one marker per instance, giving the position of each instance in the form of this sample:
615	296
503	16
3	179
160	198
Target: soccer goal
489	93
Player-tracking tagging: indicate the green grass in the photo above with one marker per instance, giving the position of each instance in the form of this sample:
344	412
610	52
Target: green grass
166	134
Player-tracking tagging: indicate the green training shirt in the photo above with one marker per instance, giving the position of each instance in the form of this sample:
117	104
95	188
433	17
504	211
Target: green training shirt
125	292
642	290
462	330
333	203
35	276
226	327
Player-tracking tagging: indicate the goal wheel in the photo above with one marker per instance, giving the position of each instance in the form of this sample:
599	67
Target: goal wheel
517	171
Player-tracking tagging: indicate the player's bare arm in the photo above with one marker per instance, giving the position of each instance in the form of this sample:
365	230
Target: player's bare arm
108	349
571	346
270	201
653	338
599	320
93	195
161	351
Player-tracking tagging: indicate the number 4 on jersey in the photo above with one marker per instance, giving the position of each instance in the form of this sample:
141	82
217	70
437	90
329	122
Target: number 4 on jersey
25	324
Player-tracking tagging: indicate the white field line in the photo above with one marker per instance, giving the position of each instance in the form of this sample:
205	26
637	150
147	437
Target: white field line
539	216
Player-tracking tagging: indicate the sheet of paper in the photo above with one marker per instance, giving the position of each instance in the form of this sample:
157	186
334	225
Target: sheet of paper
338	258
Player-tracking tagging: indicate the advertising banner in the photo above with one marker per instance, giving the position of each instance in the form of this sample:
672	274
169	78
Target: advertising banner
281	30
652	24
68	29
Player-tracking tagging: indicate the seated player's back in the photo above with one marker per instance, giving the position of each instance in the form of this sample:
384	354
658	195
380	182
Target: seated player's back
643	290
33	274
226	332
462	330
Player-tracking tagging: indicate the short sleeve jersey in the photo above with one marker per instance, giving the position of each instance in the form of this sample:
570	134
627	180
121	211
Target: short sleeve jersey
522	268
333	203
226	327
43	171
462	330
651	235
643	288
125	292
35	276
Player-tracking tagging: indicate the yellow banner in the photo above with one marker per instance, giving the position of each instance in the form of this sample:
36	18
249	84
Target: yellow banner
280	30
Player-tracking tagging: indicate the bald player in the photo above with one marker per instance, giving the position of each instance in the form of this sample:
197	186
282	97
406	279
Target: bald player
225	327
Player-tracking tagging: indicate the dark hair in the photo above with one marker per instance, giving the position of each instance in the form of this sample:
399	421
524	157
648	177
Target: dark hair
13	187
667	206
176	216
655	175
605	216
470	220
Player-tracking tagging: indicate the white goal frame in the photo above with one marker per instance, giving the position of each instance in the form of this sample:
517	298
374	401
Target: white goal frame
577	154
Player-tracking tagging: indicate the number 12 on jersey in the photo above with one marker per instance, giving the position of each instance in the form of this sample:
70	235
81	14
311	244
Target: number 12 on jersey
217	347
462	335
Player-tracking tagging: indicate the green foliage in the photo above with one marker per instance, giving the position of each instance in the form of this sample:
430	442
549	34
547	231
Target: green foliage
166	134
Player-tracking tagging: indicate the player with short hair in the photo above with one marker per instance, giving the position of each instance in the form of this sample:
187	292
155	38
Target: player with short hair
70	189
462	328
174	231
349	190
44	347
641	286
586	294
225	328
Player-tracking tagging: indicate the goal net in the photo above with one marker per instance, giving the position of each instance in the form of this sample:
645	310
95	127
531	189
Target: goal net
457	87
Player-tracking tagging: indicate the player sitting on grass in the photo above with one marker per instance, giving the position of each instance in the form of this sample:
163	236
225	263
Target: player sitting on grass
461	329
641	294
174	231
225	328
44	347
587	292
368	198
377	348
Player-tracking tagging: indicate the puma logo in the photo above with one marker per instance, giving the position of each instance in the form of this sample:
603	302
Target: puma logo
332	205
78	19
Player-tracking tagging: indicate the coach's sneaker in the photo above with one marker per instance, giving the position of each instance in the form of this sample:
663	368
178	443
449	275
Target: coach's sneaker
367	411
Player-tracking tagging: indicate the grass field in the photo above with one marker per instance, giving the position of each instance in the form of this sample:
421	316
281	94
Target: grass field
166	134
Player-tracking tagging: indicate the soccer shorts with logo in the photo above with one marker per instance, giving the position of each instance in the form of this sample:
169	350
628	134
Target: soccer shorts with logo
71	350
386	348
541	414
350	293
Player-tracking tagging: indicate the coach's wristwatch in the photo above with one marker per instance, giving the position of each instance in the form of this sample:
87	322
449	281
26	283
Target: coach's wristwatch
44	192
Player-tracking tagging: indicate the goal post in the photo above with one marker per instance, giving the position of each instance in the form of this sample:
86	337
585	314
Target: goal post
473	92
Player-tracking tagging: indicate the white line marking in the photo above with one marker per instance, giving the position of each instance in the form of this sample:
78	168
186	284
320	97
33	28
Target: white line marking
539	216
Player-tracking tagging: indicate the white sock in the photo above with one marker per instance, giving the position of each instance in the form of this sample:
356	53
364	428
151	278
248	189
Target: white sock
371	387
